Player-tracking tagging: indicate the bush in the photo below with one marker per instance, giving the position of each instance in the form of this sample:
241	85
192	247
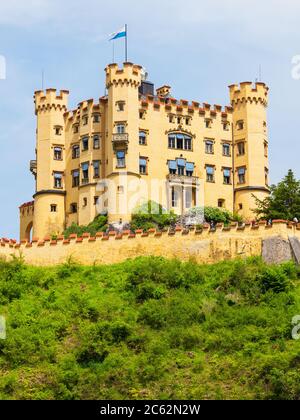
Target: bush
98	225
152	215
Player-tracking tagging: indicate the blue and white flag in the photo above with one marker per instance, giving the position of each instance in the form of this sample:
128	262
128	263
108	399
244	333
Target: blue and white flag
120	34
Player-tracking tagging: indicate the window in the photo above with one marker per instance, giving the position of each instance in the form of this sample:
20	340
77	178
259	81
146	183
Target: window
53	208
208	123
171	119
240	206
226	149
57	153
120	106
85	120
189	167
58	130
241	175
75	152
266	176
225	126
96	118
96	198
172	142
221	203
85	172
121	159
120	189
188	120
241	148
180	166
142	138
209	147
120	128
143	166
240	125
84	202
73	208
180	141
85	144
142	115
172	167
227	176
178	120
75	178
96	165
210	174
266	149
187	143
96	142
174	197
57	179
188	198
76	129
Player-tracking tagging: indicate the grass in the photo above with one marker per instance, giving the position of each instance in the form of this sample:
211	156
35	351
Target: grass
150	329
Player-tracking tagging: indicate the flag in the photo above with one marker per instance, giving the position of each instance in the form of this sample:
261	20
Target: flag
122	33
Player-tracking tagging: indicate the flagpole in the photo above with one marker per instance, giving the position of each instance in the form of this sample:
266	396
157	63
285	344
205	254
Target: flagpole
126	44
113	51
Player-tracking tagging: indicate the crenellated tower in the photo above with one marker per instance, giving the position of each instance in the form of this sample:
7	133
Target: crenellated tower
49	205
250	139
122	131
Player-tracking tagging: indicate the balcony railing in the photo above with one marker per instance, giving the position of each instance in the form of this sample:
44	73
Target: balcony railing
84	181
120	137
33	167
183	179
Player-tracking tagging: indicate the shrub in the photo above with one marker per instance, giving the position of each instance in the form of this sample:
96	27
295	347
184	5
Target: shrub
152	215
99	224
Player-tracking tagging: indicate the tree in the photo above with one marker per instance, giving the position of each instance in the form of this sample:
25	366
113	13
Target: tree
283	202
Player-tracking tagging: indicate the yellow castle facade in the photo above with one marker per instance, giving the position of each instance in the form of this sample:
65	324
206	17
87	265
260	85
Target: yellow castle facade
137	144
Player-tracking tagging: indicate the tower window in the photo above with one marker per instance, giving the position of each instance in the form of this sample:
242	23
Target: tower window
240	206
142	115
171	119
96	198
188	120
96	165
210	174
209	147
120	189
120	105
75	152
241	148
58	130
266	149
208	123
266	176
240	125
226	149
96	142
178	120
57	179
85	120
143	166
85	144
73	208
85	202
225	126
96	118
85	173
227	176
53	208
142	138
75	178
241	175
76	129
57	153
121	159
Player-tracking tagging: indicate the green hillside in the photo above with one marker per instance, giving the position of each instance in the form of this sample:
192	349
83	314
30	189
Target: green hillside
150	329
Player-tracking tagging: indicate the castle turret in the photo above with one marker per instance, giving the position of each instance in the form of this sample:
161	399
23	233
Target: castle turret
49	206
250	140
123	132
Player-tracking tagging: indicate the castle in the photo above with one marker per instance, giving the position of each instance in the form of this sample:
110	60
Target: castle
136	144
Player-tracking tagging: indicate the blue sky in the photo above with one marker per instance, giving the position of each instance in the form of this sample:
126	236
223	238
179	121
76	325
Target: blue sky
198	47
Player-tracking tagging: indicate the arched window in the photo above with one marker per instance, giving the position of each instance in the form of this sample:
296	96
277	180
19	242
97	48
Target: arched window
180	141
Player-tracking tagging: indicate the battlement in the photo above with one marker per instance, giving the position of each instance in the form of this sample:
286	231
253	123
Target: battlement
205	245
26	209
46	100
249	92
129	74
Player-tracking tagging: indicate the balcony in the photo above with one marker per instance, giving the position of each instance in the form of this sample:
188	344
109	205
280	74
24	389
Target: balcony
120	140
33	167
183	179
